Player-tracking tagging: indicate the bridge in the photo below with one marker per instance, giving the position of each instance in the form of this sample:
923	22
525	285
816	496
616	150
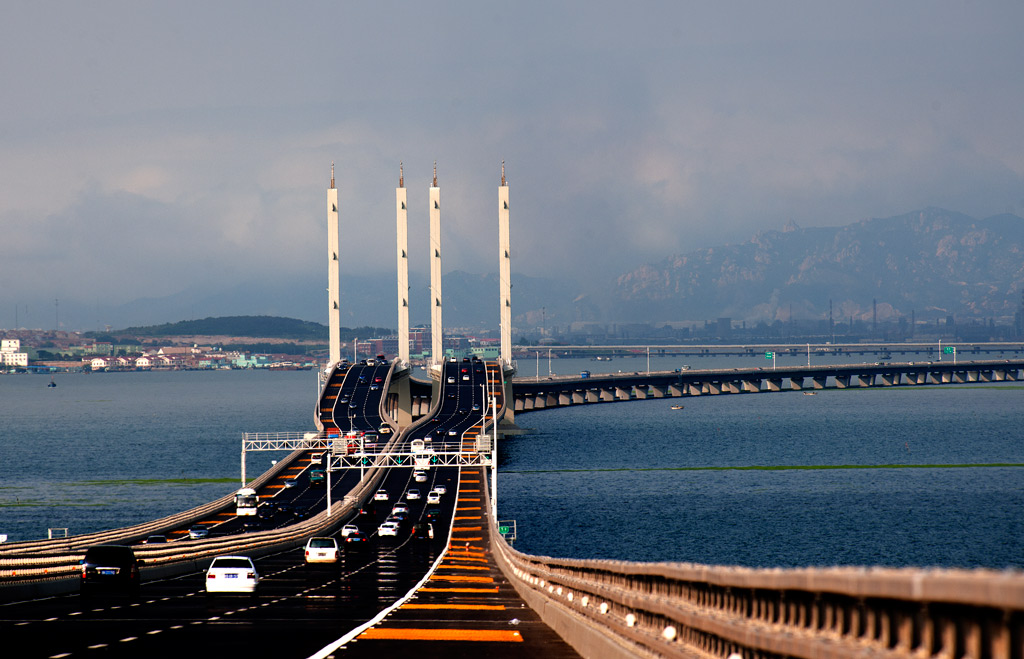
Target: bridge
466	587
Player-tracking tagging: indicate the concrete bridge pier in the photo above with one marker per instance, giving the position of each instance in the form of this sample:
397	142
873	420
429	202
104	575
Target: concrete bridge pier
592	395
752	386
889	379
675	391
579	397
819	381
694	389
796	383
656	392
640	392
774	384
566	399
622	393
607	395
842	382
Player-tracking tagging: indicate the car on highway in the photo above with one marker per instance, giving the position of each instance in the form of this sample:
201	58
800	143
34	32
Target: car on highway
156	540
423	531
232	574
321	550
433	499
291	482
400	508
440	489
198	533
451	379
348	530
465	378
388	529
355	540
412	495
419	476
433	514
111	569
380	495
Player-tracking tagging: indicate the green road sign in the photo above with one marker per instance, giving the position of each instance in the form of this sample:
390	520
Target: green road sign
503	530
769	355
948	350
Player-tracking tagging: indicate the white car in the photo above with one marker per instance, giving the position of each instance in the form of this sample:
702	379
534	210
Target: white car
420	476
348	530
412	495
380	495
440	489
433	498
321	550
232	574
388	528
399	508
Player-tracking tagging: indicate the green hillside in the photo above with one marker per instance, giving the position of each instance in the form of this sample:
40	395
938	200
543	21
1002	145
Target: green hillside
273	327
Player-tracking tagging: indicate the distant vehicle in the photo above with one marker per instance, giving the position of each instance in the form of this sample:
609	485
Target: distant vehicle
348	530
110	568
290	483
685	367
380	495
246	501
433	514
354	540
317	476
378	379
400	508
584	374
440	489
156	540
417	445
476	407
433	499
321	550
198	533
451	379
419	476
411	495
423	531
465	378
385	429
388	529
232	574
374	387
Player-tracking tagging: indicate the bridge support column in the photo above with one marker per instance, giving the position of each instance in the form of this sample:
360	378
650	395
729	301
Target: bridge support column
984	376
998	375
774	384
593	395
565	398
889	379
640	392
656	392
796	384
675	390
694	389
713	388
622	394
579	397
819	382
752	386
959	377
865	380
732	387
842	382
607	395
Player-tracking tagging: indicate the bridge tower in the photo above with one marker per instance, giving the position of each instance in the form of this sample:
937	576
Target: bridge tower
402	232
333	274
403	410
436	329
504	271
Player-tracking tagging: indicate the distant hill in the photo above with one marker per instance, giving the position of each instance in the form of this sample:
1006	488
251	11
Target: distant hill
269	327
931	263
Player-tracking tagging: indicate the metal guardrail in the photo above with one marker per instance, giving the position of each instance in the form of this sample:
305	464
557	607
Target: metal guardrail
626	609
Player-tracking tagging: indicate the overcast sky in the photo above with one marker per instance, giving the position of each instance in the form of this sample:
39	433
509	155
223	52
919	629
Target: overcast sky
147	147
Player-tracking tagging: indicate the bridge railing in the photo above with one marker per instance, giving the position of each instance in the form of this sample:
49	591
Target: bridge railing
626	609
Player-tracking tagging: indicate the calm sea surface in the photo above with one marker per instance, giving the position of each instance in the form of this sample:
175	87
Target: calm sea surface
897	477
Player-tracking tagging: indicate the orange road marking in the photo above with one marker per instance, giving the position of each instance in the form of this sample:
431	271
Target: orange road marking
467	517
466	558
462	607
466	529
406	634
460	577
469	508
459	590
458	567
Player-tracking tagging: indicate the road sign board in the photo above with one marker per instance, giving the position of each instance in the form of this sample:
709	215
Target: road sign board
948	350
769	355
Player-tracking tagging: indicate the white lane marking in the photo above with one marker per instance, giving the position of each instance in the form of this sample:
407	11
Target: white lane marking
154	632
127	639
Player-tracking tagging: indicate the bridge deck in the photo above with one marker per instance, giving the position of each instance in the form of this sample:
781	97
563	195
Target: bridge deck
467	608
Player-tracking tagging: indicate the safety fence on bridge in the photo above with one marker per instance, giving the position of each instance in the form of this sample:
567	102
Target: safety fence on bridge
625	609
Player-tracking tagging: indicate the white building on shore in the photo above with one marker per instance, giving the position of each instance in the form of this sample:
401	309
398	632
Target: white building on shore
11	355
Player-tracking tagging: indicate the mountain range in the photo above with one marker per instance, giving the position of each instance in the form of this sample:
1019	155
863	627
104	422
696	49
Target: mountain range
930	263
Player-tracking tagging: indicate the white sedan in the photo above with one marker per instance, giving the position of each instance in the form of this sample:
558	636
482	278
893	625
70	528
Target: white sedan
380	495
388	528
321	550
433	499
440	489
412	495
232	574
348	530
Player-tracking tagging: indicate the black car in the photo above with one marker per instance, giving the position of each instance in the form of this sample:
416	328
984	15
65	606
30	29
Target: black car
112	569
433	514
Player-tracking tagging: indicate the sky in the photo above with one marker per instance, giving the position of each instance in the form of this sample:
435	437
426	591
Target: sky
152	147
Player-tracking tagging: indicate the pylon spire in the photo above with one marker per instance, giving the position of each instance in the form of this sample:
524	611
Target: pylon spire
435	173
401	175
332	175
503	172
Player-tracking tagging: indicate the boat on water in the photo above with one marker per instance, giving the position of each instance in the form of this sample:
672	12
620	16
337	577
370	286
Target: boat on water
810	393
52	383
677	407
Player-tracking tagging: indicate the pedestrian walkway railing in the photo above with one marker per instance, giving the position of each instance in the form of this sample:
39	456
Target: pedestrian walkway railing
628	609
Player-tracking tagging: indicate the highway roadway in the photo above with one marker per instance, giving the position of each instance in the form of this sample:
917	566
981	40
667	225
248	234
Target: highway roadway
298	608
